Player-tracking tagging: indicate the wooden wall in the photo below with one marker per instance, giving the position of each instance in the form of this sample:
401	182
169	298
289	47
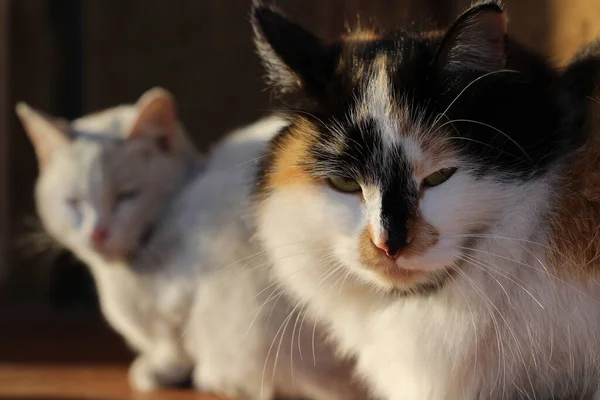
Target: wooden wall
33	64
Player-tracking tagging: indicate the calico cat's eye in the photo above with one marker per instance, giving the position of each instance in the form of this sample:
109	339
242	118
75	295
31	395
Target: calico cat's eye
344	185
127	195
439	177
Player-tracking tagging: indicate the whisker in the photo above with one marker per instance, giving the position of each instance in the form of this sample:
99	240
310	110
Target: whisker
269	354
504	275
490	236
286	322
473	263
493	128
443	114
292	341
484	144
473	324
300	331
272	296
267	154
518	262
496	325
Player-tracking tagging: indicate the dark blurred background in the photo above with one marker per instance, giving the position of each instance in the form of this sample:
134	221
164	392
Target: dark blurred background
71	57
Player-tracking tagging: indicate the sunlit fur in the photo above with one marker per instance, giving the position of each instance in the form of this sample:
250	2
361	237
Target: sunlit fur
487	299
194	293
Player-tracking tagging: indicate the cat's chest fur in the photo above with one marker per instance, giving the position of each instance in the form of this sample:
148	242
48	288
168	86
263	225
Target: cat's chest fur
132	303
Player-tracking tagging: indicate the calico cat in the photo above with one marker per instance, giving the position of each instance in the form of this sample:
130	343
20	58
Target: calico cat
440	208
165	237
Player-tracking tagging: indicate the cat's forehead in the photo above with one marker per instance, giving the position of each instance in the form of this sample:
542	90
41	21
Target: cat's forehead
382	131
364	52
114	122
106	156
385	109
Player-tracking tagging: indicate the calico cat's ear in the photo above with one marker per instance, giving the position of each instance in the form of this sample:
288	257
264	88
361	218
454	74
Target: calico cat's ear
578	92
48	134
293	57
476	41
157	117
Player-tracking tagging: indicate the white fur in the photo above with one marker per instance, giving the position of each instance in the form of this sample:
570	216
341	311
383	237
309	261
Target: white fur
377	103
197	296
245	141
503	324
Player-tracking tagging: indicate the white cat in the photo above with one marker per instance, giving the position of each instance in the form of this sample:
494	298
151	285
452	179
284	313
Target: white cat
164	235
435	209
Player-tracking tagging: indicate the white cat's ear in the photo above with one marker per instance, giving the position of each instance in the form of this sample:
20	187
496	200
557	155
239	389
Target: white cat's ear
156	118
476	41
48	134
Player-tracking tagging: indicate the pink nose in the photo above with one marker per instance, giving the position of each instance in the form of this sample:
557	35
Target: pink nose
385	248
99	235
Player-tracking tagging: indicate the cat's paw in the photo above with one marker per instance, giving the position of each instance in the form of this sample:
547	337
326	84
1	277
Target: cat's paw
142	377
146	376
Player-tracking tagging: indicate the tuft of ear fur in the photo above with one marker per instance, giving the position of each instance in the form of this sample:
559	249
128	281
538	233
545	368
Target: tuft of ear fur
293	57
47	134
588	51
579	88
157	117
476	41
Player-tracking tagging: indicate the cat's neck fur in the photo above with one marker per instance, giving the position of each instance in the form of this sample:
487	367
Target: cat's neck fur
146	258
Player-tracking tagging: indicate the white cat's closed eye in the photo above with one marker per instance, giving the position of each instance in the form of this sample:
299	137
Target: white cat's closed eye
127	195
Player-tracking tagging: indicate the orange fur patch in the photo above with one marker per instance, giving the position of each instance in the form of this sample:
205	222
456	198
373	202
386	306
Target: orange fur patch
362	35
422	236
575	229
436	33
418	168
291	155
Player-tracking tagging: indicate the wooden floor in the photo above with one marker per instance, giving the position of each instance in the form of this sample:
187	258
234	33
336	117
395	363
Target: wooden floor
73	382
68	358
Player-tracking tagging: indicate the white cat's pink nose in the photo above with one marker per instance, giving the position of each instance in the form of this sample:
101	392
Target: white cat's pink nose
99	235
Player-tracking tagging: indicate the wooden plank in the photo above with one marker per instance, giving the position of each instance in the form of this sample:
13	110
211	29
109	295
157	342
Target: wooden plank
88	381
70	356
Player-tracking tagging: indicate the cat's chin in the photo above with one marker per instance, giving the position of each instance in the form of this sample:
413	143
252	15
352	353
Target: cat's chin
403	281
113	256
400	276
